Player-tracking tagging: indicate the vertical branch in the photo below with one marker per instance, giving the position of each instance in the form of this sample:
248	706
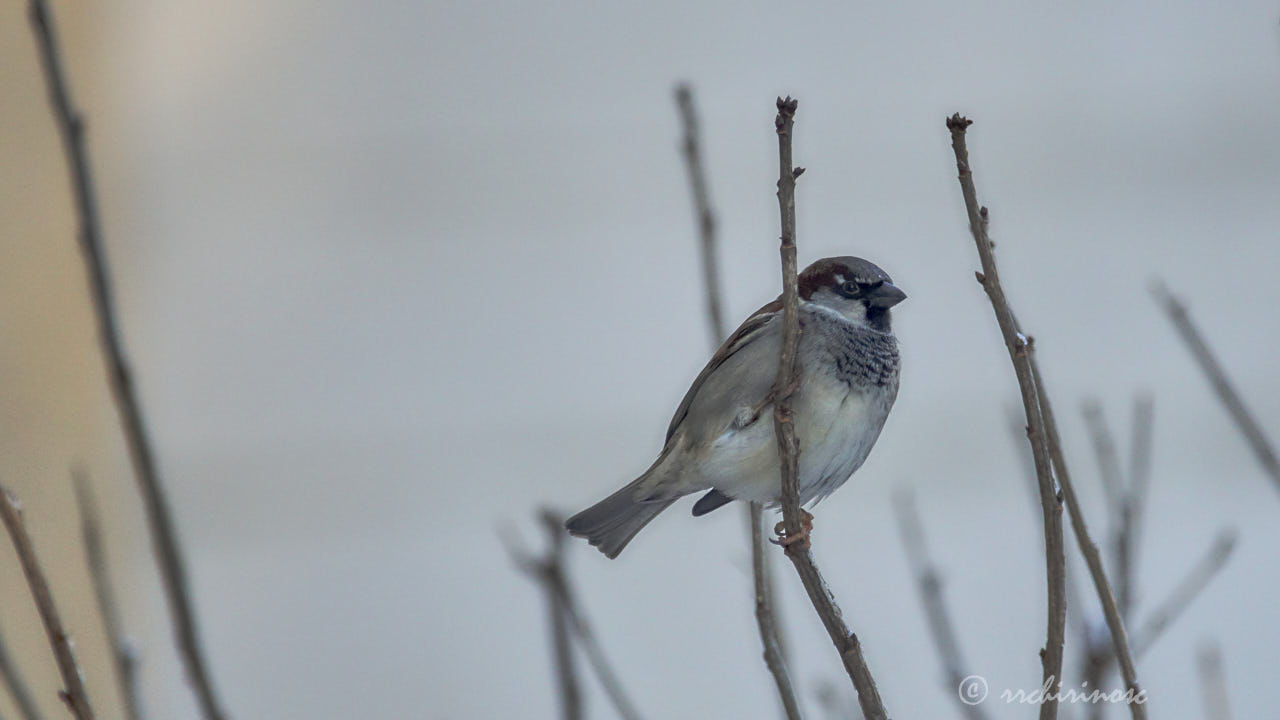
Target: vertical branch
766	617
18	689
1020	353
1244	420
935	606
163	535
74	695
122	655
797	547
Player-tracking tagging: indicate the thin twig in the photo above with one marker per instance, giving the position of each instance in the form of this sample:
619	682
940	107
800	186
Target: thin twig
74	695
163	534
929	582
122	654
1089	549
847	643
766	617
1245	421
1020	354
1213	682
18	688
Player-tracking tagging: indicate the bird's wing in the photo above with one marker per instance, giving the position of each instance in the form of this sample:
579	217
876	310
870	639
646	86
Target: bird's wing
750	331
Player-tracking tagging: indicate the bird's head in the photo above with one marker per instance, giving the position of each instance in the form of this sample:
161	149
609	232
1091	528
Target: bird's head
853	287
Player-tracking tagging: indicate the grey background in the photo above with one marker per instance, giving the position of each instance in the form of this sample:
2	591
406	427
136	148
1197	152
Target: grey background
393	275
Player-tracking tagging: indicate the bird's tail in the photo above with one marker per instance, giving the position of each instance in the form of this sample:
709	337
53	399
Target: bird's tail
611	523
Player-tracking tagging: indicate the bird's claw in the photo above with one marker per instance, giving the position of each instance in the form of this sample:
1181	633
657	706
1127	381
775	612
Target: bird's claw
806	528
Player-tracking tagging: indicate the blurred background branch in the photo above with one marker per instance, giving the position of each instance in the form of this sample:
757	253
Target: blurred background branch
1217	376
762	580
929	583
123	656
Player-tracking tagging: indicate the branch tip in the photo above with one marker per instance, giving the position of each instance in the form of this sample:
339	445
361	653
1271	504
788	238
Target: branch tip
958	123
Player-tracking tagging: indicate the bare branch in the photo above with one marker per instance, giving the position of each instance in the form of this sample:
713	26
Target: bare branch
74	695
1115	623
163	535
1244	420
18	688
935	606
766	617
1213	682
847	644
1020	354
122	654
548	572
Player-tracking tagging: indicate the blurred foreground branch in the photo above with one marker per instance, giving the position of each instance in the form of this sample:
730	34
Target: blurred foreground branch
163	535
766	617
1020	353
795	535
74	695
1245	421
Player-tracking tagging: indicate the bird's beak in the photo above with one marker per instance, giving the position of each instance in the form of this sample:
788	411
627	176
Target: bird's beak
885	296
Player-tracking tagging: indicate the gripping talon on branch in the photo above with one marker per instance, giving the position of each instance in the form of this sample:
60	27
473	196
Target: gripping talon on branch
806	528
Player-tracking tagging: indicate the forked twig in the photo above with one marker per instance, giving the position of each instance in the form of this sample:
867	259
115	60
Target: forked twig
74	695
164	538
550	574
847	644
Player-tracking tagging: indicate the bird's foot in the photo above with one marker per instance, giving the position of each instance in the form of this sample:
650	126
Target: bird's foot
806	527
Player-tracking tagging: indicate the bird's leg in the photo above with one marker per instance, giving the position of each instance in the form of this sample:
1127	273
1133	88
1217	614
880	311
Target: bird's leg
806	527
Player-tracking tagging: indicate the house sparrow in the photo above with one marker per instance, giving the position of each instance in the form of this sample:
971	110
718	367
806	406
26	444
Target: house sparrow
722	438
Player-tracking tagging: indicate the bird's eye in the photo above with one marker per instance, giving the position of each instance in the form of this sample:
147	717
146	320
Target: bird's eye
850	288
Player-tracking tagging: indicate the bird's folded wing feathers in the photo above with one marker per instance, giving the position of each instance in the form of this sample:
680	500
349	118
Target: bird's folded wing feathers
750	330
